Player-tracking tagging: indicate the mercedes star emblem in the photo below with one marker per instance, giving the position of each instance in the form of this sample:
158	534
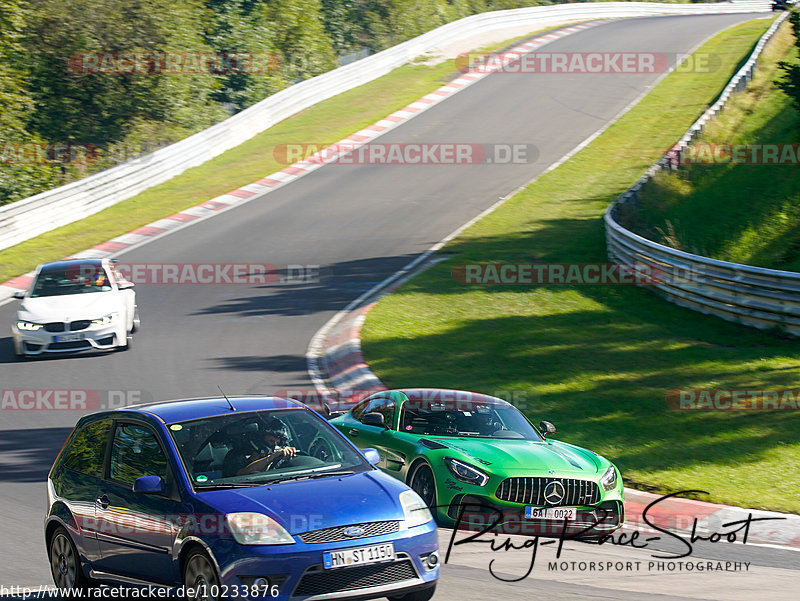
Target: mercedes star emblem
554	493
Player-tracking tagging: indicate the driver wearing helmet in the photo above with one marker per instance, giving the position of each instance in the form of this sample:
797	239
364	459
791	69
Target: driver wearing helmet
273	435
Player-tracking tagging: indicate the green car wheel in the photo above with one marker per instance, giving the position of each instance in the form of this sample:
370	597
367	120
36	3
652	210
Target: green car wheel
423	483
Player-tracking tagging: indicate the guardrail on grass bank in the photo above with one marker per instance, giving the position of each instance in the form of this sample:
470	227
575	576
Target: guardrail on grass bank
754	296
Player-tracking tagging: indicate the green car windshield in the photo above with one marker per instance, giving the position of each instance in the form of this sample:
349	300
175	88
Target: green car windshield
465	418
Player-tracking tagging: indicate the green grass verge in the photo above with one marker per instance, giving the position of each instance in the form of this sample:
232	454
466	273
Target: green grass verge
726	211
324	123
599	360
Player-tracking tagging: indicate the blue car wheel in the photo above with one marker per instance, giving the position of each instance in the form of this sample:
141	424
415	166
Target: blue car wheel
200	578
65	563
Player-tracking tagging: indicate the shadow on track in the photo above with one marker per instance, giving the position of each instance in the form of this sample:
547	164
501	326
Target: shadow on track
28	454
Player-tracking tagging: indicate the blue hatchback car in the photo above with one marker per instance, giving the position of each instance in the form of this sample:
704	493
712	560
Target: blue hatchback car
247	497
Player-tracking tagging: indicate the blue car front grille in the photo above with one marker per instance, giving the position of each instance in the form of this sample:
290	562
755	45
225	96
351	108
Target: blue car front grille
337	533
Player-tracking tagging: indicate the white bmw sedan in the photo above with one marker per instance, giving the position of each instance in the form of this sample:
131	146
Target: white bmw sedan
75	305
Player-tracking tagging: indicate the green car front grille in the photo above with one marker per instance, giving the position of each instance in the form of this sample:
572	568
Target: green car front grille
531	491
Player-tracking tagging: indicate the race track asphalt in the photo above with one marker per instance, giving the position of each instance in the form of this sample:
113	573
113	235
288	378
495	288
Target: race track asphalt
359	224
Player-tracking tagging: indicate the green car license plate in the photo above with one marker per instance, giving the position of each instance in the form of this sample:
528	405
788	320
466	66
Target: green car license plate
551	513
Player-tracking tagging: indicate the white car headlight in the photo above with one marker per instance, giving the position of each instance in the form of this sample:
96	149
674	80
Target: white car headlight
257	529
414	509
465	472
107	320
29	326
609	479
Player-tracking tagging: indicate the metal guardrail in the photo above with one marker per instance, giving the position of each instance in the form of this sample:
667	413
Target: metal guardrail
25	219
754	296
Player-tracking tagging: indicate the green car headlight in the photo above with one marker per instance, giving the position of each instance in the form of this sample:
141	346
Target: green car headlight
29	326
465	472
609	479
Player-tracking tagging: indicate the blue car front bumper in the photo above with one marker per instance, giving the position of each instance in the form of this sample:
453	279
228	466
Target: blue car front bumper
296	571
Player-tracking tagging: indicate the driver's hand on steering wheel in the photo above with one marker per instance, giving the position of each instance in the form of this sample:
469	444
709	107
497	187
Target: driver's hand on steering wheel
260	464
284	452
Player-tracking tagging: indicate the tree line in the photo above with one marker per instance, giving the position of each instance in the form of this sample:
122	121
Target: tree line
87	83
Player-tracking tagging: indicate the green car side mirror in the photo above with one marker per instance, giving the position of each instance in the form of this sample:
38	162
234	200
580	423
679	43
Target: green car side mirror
547	428
374	419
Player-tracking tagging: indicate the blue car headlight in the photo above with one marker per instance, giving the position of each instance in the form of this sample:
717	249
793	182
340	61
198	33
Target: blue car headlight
465	472
609	479
257	529
414	509
28	326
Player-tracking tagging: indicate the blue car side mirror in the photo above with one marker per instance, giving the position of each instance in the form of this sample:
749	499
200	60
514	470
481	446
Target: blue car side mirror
148	485
372	456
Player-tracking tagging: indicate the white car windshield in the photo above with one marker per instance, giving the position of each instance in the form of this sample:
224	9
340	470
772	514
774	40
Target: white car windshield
72	279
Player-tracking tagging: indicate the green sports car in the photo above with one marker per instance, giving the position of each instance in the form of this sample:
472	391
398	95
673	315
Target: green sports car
480	463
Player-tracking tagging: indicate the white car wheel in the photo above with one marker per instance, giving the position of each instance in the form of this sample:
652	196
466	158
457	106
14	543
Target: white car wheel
18	352
123	341
137	323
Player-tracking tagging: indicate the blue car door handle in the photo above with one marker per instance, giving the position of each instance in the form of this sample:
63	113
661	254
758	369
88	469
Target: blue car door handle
104	501
353	432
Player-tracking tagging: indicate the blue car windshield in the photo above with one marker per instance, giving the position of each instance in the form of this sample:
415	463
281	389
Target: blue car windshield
260	447
465	418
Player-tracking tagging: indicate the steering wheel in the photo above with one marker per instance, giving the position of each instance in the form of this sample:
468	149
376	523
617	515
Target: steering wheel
321	449
279	461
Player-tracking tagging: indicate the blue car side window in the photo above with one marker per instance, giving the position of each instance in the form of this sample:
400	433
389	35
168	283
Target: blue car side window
87	451
135	452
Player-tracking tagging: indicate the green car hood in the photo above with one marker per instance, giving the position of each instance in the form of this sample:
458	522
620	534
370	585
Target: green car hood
521	457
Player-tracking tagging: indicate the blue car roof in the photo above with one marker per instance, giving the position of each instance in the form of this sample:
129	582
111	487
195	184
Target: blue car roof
183	410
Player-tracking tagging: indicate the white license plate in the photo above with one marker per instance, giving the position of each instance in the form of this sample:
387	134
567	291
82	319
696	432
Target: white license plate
551	513
69	337
357	556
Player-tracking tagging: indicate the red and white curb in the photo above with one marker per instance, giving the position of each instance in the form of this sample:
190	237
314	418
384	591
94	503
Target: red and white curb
126	242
